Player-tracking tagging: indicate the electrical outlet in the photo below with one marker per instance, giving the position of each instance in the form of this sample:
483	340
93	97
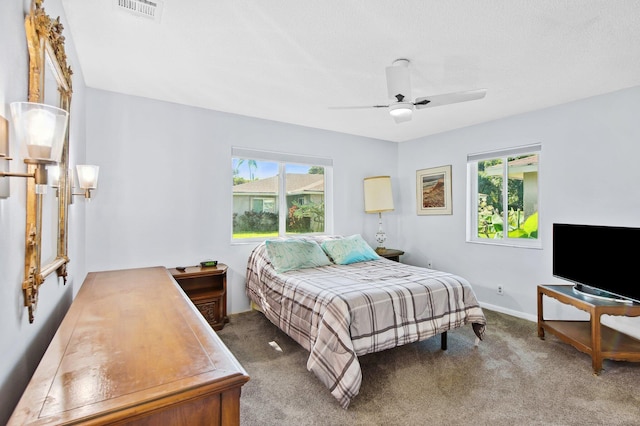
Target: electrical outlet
429	264
500	290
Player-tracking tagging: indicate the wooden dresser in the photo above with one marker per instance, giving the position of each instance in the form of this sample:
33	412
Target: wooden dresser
133	349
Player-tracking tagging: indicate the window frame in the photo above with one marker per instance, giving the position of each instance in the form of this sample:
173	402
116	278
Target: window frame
473	195
284	159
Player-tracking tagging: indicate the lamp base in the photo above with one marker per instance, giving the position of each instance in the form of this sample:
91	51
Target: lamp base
381	236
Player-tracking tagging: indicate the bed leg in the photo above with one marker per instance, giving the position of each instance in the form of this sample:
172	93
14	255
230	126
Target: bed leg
443	341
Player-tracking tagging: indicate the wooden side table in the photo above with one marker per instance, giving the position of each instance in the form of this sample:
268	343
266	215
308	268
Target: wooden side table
391	254
590	337
207	289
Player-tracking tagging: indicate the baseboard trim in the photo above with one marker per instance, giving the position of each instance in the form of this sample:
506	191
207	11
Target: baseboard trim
517	314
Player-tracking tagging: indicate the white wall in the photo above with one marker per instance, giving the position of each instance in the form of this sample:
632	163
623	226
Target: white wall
164	196
167	167
588	174
21	343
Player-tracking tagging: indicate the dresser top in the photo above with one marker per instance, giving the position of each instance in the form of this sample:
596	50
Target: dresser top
131	341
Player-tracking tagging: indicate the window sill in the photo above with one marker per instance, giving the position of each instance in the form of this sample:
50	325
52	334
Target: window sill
531	245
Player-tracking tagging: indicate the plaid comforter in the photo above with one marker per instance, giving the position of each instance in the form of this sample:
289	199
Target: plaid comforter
338	312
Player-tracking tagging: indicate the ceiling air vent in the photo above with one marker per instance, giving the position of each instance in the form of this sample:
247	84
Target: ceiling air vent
146	8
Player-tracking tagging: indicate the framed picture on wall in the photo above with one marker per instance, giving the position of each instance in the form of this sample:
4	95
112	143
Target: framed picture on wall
433	190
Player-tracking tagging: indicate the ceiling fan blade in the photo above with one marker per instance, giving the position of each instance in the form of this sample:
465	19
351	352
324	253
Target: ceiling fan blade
398	79
359	107
449	98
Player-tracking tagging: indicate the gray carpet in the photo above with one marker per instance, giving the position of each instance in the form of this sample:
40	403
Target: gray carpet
511	378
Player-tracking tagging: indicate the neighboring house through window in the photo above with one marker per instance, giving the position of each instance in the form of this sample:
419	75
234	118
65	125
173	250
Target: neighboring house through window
503	205
268	183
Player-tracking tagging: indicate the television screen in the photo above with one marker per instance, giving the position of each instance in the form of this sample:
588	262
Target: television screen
599	257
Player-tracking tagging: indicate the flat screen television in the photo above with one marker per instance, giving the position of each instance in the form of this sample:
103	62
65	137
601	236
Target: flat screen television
600	260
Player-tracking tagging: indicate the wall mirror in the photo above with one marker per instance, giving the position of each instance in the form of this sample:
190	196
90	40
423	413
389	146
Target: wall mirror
46	221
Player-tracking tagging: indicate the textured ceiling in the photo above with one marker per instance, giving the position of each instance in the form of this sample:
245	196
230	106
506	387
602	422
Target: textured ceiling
290	60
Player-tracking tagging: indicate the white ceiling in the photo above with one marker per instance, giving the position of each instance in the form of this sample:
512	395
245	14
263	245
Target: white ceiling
290	60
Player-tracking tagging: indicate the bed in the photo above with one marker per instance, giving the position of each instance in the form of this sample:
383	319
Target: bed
339	308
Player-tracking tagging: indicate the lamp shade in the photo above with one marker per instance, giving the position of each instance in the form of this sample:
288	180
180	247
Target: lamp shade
377	194
87	176
41	130
54	176
4	137
401	112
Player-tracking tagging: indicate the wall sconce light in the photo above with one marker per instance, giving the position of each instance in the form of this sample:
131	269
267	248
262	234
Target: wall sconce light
4	157
377	199
87	179
41	130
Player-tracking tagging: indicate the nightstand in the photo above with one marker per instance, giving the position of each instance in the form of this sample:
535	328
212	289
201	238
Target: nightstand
391	254
207	289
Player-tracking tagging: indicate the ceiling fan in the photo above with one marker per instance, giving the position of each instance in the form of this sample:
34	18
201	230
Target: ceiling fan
399	89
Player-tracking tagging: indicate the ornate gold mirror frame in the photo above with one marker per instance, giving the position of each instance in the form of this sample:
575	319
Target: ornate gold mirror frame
46	56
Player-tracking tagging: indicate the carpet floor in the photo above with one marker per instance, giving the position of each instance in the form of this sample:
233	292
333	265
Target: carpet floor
511	378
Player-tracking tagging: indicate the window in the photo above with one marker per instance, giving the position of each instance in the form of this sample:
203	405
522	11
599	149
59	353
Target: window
268	183
267	205
503	197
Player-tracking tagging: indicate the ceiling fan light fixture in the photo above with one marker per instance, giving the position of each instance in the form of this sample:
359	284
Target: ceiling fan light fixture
401	111
399	90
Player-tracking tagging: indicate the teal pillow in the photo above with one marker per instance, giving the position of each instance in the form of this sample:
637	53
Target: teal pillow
349	250
289	255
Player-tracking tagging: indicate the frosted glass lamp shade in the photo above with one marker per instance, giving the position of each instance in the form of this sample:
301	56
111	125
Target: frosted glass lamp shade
401	112
41	131
4	137
54	176
377	194
87	176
